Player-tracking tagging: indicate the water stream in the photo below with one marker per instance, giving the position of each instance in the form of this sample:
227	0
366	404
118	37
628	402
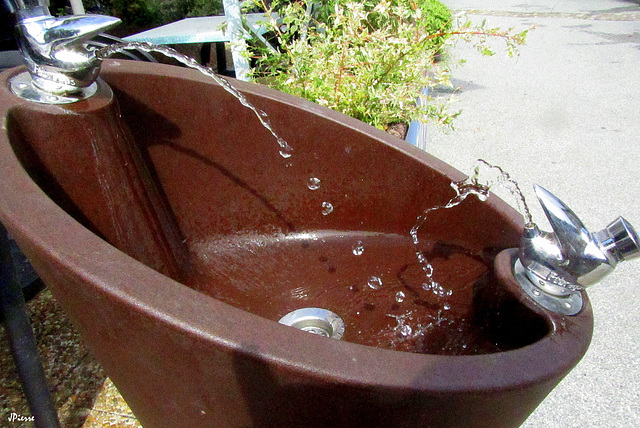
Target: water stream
285	149
484	177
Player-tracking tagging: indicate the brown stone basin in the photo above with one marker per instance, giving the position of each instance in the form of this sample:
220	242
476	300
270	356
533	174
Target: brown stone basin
165	221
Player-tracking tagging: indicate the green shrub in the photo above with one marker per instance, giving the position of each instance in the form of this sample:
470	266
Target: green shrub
368	59
436	19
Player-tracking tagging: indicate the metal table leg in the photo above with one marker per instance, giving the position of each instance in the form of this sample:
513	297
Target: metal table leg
22	341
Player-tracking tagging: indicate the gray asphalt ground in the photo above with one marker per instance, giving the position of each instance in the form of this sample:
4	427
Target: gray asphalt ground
565	114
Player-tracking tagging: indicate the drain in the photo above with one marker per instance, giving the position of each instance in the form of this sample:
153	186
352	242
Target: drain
315	320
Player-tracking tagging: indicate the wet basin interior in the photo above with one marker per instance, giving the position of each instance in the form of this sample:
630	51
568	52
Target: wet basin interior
217	208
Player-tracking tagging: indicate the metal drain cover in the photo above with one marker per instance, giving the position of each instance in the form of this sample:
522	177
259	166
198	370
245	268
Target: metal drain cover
315	320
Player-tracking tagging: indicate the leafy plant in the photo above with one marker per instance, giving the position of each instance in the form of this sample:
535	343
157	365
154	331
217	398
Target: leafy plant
368	59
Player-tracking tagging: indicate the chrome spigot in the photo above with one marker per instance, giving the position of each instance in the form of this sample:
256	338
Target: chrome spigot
569	259
59	64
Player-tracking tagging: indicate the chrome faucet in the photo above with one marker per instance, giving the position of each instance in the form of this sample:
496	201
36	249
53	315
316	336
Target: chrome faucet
561	263
59	64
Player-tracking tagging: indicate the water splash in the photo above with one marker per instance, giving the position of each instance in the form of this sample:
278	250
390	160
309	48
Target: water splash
433	286
402	329
463	189
491	175
502	179
285	149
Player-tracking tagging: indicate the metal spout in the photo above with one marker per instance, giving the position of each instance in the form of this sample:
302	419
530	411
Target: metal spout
54	51
571	258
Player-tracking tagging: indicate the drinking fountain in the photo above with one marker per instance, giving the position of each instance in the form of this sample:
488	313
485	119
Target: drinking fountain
161	214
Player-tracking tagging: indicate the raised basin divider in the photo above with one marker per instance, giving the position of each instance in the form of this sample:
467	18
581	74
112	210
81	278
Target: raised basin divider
116	197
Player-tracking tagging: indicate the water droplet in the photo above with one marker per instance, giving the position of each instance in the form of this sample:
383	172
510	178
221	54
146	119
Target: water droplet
374	282
446	306
482	196
536	292
285	149
428	269
426	286
327	208
358	248
285	153
414	235
313	183
400	296
438	290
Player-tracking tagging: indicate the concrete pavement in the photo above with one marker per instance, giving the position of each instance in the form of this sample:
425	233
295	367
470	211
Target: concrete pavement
565	114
